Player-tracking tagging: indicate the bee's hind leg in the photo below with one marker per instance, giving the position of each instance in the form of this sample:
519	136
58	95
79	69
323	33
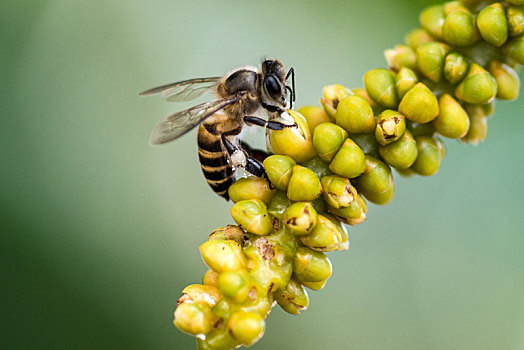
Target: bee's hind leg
258	154
245	158
256	168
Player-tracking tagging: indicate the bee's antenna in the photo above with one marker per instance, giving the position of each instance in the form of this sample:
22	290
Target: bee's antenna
292	73
291	94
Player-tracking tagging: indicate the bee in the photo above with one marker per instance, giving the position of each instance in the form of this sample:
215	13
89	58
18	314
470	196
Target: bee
239	95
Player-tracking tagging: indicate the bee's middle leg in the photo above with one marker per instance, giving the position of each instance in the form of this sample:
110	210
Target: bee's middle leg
241	159
272	125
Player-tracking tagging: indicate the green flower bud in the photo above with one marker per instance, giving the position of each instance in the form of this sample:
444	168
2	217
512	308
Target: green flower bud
279	170
383	197
278	204
453	6
418	129
318	166
252	216
401	153
355	115
430	59
328	138
362	93
250	188
380	86
293	299
400	56
210	278
217	338
375	107
484	110
315	285
324	238
432	19
515	16
492	24
419	104
349	160
246	327
390	127
354	214
405	172
300	218
344	242
472	4
222	309
508	82
428	160
234	285
488	108
441	147
452	121
223	256
229	232
319	205
417	37
304	185
515	49
314	115
364	210
455	67
367	143
459	29
331	96
311	266
404	81
338	191
200	293
376	183
478	87
478	128
515	2
194	318
295	142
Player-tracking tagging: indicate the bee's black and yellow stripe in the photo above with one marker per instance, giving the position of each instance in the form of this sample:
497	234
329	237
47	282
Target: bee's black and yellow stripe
214	160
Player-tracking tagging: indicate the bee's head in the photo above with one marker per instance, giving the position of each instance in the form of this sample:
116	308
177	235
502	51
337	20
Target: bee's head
274	67
274	83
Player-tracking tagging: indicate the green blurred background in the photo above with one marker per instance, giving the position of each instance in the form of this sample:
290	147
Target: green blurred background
100	231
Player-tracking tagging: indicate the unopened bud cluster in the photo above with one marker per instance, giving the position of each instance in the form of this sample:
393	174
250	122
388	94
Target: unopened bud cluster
442	83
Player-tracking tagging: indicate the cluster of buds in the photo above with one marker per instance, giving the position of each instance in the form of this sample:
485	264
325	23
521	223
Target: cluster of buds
442	83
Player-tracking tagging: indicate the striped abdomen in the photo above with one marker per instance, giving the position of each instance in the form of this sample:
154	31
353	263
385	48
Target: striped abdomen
214	160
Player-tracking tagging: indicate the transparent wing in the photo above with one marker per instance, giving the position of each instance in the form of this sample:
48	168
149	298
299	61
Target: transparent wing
179	123
186	90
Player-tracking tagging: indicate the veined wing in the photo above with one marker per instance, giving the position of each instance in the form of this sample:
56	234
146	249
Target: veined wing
186	90
180	123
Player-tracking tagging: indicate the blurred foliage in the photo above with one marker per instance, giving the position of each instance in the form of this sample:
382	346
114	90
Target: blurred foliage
100	231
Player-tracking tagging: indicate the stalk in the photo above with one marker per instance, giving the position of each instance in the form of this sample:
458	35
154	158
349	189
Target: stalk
442	82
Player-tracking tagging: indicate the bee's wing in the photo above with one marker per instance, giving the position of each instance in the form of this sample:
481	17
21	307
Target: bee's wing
179	123
186	90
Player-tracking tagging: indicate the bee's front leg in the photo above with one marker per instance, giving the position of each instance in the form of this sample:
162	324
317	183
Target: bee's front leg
272	125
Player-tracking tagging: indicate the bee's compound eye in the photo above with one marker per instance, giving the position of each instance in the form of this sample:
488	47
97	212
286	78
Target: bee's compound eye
272	87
